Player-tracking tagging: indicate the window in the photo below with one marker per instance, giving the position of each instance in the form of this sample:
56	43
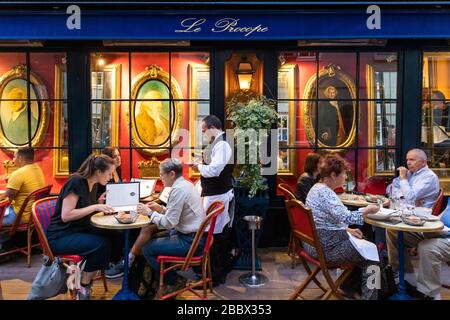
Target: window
337	107
435	134
147	103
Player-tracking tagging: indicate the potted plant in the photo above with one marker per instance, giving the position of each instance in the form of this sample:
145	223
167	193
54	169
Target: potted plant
249	111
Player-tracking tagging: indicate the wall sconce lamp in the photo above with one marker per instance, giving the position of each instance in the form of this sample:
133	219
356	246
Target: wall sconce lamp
100	59
244	74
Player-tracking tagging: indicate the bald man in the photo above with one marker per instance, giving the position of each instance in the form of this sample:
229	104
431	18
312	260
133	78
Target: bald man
416	183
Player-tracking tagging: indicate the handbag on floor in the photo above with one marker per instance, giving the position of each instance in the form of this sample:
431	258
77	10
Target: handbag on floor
49	281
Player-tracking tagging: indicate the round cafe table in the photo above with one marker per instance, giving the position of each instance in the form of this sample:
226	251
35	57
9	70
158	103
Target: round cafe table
358	200
429	226
103	221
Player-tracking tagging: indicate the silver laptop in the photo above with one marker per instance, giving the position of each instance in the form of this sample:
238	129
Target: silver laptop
146	187
122	196
164	195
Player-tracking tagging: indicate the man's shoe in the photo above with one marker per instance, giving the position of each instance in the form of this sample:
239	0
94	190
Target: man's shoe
412	291
84	293
115	270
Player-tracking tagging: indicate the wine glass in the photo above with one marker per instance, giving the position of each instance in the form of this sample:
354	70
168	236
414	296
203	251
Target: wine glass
380	202
410	207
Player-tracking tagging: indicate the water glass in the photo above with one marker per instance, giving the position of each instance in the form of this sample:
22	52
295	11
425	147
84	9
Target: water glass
410	207
380	202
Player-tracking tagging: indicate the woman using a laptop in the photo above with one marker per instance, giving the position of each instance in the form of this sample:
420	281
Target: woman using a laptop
70	231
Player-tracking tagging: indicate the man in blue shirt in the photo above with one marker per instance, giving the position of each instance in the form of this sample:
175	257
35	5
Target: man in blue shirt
416	183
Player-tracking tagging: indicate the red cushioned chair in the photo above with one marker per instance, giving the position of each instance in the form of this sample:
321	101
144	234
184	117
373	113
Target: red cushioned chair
305	231
289	194
42	213
436	209
184	263
18	226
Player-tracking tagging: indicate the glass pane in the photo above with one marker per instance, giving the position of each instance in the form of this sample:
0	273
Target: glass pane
105	93
380	127
371	165
435	111
304	120
344	63
378	75
44	65
191	71
336	122
109	62
439	160
303	66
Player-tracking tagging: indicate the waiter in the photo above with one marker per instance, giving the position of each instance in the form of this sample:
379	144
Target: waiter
216	180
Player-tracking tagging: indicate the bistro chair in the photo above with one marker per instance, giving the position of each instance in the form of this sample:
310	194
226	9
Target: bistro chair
289	194
436	209
18	226
305	232
170	263
42	213
3	205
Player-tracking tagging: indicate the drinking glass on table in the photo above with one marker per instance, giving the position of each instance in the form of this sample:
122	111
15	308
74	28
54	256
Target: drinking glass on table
380	202
410	207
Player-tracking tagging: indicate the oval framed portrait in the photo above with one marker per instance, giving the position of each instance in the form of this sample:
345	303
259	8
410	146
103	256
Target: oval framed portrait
14	112
333	115
154	112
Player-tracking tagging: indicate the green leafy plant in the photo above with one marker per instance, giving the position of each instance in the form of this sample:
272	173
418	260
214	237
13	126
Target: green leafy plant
250	111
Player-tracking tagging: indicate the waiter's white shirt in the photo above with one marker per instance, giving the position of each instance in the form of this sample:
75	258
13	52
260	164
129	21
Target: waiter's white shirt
220	155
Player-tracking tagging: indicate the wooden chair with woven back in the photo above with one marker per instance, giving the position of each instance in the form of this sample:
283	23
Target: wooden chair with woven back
289	194
42	212
304	230
436	209
28	227
171	263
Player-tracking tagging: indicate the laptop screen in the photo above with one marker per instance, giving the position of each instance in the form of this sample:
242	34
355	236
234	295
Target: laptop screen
146	188
164	195
122	194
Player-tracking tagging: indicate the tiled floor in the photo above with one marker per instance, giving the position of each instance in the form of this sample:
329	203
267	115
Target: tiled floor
16	279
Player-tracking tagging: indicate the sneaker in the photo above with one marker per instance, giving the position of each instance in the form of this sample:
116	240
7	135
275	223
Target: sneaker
115	270
84	293
189	274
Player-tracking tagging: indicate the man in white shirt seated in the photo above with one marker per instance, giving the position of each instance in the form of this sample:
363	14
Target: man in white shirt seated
416	183
432	251
182	217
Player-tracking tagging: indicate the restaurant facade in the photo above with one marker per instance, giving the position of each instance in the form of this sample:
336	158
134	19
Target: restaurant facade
77	77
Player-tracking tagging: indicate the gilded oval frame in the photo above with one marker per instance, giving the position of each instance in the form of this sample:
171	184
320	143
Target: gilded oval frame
330	71
155	72
37	85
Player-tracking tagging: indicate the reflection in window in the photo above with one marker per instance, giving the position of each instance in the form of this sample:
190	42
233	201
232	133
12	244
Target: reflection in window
386	88
435	135
333	115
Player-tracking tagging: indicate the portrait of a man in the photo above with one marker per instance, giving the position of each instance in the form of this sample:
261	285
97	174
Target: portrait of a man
331	129
330	112
152	117
14	114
